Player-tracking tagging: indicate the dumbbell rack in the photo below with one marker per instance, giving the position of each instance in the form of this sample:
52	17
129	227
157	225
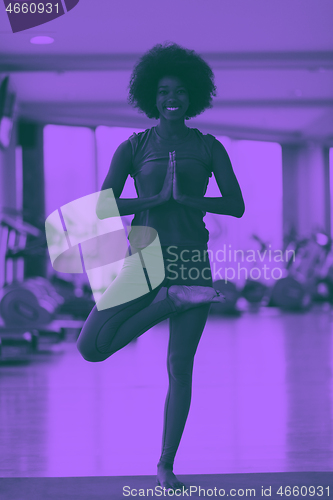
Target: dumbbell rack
13	239
21	342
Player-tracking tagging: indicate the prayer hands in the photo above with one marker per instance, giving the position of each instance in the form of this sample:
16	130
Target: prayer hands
166	192
170	187
177	196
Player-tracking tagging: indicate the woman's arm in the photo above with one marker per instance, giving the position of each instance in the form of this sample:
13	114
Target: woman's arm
118	172
231	202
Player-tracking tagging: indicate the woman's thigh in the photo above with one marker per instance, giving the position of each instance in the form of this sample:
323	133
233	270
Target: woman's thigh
126	295
186	329
95	342
188	266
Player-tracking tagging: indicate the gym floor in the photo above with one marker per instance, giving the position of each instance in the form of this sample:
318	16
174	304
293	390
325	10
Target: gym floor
262	402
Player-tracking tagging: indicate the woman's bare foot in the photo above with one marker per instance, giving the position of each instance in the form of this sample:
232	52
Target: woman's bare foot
167	479
185	297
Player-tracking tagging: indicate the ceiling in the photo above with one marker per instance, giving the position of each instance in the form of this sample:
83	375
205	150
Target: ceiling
273	64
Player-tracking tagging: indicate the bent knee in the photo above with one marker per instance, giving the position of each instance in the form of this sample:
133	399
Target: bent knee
89	353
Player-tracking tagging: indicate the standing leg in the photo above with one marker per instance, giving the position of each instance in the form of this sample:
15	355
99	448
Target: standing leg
185	332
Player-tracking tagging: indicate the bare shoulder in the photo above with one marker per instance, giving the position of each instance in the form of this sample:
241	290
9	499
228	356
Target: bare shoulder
220	157
122	158
124	150
216	144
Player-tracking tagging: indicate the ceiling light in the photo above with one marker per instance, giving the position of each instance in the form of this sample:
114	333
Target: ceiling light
41	40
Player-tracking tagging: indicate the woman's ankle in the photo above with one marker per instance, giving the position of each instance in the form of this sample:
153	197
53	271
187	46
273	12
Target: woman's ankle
165	465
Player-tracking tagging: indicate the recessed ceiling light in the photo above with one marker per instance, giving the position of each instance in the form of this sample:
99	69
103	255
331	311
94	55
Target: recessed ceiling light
41	40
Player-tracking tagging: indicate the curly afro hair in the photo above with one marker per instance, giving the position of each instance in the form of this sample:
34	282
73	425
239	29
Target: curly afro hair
170	59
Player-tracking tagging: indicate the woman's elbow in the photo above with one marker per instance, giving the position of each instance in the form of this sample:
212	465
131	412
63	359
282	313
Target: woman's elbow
240	210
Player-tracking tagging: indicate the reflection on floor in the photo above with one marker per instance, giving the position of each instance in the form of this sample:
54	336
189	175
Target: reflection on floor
262	402
275	485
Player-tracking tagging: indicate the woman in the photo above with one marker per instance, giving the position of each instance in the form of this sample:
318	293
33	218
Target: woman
171	165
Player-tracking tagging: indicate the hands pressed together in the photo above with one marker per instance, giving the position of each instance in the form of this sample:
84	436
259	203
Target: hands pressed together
229	203
170	189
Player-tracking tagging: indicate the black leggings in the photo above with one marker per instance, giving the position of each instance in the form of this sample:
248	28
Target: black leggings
106	331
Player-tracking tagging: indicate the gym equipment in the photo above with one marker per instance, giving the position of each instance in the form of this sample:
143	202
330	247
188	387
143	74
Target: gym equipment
77	302
26	304
18	344
309	276
254	291
14	233
35	301
29	308
79	307
289	294
323	282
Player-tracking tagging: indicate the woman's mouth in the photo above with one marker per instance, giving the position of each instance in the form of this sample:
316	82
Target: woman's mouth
172	108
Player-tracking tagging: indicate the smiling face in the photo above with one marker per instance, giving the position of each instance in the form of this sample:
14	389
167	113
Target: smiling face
172	99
